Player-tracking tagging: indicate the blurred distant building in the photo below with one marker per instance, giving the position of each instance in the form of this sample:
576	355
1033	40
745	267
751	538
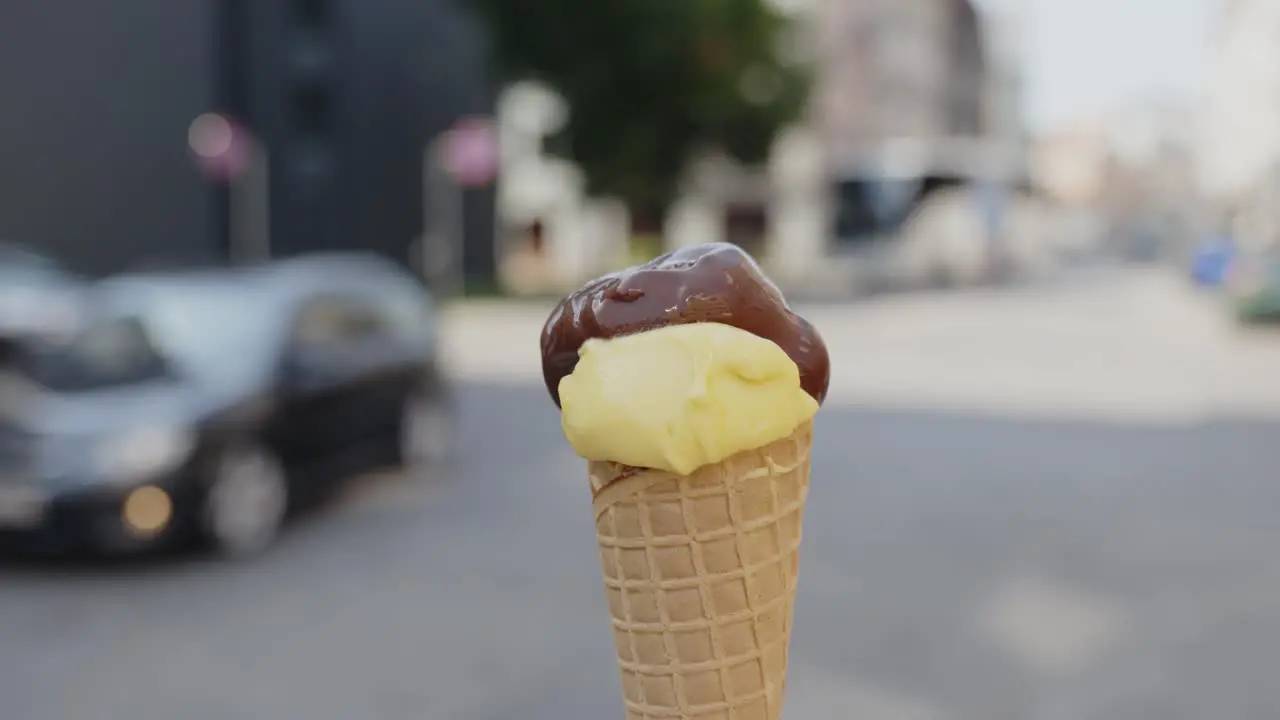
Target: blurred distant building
1070	165
1148	141
156	131
906	86
899	69
1005	37
1151	145
910	96
1238	149
1131	168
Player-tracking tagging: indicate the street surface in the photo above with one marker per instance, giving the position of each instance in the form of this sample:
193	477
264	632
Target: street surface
1051	503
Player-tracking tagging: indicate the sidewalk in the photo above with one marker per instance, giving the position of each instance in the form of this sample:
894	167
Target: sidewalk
1135	346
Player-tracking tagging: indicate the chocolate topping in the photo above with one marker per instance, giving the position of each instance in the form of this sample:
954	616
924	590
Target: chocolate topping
706	283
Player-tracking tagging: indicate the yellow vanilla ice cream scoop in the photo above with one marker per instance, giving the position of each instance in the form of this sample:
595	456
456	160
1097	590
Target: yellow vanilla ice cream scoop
680	397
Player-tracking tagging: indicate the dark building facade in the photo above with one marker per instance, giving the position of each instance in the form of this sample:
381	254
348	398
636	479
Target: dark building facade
96	100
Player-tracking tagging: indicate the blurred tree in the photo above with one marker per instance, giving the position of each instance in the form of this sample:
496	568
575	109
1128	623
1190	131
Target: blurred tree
650	82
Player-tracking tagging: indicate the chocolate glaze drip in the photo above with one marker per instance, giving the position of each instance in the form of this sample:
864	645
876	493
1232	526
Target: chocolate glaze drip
716	282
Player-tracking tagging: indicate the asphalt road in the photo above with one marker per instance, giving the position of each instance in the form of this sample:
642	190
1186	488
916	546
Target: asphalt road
1044	504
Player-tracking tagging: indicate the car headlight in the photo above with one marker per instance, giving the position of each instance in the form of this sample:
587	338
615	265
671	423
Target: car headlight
140	455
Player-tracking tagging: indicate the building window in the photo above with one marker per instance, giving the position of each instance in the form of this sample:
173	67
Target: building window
311	13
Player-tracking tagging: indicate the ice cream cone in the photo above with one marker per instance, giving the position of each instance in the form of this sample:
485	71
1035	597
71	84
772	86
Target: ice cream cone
700	574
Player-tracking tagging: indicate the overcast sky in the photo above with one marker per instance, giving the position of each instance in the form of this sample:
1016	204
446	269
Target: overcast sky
1086	56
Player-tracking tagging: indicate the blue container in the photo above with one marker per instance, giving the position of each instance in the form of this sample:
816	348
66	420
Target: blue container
1211	264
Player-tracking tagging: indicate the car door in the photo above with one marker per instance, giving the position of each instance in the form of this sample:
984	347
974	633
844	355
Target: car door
379	356
319	380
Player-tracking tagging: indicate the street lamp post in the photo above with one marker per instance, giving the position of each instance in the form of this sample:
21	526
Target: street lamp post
440	247
250	208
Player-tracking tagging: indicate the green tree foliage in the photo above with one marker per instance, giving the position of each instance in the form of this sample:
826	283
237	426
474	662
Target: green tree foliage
650	82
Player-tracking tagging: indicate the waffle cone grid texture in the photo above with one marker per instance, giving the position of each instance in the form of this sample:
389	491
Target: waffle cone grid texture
700	575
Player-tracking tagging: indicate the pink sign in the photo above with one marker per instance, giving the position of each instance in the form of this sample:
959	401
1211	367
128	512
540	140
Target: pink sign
470	152
222	146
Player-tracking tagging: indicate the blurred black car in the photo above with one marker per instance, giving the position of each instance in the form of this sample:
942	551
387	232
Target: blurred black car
37	295
206	403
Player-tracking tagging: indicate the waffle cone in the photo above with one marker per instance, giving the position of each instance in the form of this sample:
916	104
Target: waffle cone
700	574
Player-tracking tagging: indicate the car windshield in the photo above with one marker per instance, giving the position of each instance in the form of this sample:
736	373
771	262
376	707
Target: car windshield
107	352
218	335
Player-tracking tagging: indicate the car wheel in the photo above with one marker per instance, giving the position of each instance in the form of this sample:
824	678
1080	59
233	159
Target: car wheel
246	504
427	431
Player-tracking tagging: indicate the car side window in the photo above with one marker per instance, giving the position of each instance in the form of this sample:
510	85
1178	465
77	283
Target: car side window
111	352
335	320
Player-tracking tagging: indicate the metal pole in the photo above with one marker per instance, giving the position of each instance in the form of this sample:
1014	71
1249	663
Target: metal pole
423	256
441	253
250	211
